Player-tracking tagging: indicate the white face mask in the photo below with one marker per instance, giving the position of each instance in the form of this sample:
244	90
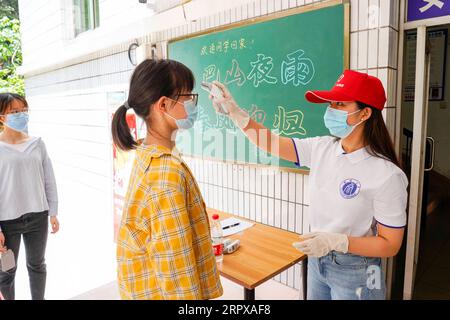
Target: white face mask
191	110
336	121
17	121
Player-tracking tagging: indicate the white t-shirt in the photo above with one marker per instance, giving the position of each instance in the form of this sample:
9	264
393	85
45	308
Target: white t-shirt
350	192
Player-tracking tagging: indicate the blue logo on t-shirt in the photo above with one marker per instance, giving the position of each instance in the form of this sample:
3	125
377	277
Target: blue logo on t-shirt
349	188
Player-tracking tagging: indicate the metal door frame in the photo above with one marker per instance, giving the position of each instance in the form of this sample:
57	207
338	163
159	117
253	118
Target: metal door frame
418	145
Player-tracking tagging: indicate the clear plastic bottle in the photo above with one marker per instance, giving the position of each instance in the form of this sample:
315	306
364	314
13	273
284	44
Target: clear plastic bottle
217	238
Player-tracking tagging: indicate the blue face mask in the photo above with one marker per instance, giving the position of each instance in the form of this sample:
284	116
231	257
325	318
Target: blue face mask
17	121
192	111
336	121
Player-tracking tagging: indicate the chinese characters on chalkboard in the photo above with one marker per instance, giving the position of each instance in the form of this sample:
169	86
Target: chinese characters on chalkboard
267	64
296	69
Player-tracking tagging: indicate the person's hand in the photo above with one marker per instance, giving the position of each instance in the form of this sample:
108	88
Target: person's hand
55	224
227	100
239	116
2	243
319	244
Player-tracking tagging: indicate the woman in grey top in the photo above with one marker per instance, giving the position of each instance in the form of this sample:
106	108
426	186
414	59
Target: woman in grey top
28	195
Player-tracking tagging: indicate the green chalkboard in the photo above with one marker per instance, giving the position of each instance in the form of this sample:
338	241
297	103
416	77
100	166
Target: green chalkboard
268	65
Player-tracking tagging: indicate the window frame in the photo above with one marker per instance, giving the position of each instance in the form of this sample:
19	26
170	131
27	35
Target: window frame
86	16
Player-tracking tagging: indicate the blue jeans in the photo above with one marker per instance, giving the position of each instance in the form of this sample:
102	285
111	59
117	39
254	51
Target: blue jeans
339	276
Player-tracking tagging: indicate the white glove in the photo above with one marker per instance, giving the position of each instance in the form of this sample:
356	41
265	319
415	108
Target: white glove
239	116
319	244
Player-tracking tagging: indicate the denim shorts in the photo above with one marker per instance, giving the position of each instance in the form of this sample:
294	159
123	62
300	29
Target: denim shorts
339	276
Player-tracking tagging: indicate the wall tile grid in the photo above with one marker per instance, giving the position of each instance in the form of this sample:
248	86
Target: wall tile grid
374	46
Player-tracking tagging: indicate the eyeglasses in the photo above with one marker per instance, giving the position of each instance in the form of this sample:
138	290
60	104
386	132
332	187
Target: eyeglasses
18	111
193	96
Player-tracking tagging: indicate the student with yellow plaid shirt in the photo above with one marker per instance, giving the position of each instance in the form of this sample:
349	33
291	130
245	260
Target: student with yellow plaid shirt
164	248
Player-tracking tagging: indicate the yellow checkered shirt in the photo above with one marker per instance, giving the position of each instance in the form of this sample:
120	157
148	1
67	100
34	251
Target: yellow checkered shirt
164	248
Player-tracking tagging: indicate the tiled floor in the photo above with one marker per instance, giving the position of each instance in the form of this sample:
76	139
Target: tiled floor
270	290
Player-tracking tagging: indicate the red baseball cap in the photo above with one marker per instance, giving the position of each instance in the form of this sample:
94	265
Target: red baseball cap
352	86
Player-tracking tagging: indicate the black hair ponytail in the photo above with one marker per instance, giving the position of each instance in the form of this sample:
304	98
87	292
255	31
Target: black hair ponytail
376	135
121	131
151	80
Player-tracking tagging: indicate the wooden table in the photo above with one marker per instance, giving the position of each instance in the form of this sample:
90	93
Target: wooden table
264	252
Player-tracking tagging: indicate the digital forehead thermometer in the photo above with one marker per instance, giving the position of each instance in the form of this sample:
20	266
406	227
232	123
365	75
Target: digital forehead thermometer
206	86
215	92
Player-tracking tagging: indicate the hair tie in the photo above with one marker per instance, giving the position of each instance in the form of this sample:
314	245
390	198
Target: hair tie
126	105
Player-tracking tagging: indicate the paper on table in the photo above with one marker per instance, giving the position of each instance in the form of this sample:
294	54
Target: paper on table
236	229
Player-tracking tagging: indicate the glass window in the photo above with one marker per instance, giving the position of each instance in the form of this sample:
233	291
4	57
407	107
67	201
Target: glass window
86	13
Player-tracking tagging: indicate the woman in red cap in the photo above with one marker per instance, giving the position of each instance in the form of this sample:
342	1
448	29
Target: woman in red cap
357	190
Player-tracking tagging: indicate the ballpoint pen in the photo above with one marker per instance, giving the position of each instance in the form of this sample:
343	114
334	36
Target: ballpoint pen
232	225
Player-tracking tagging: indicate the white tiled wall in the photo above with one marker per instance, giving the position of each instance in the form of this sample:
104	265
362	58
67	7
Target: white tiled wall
273	197
268	196
374	46
47	26
69	110
42	28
